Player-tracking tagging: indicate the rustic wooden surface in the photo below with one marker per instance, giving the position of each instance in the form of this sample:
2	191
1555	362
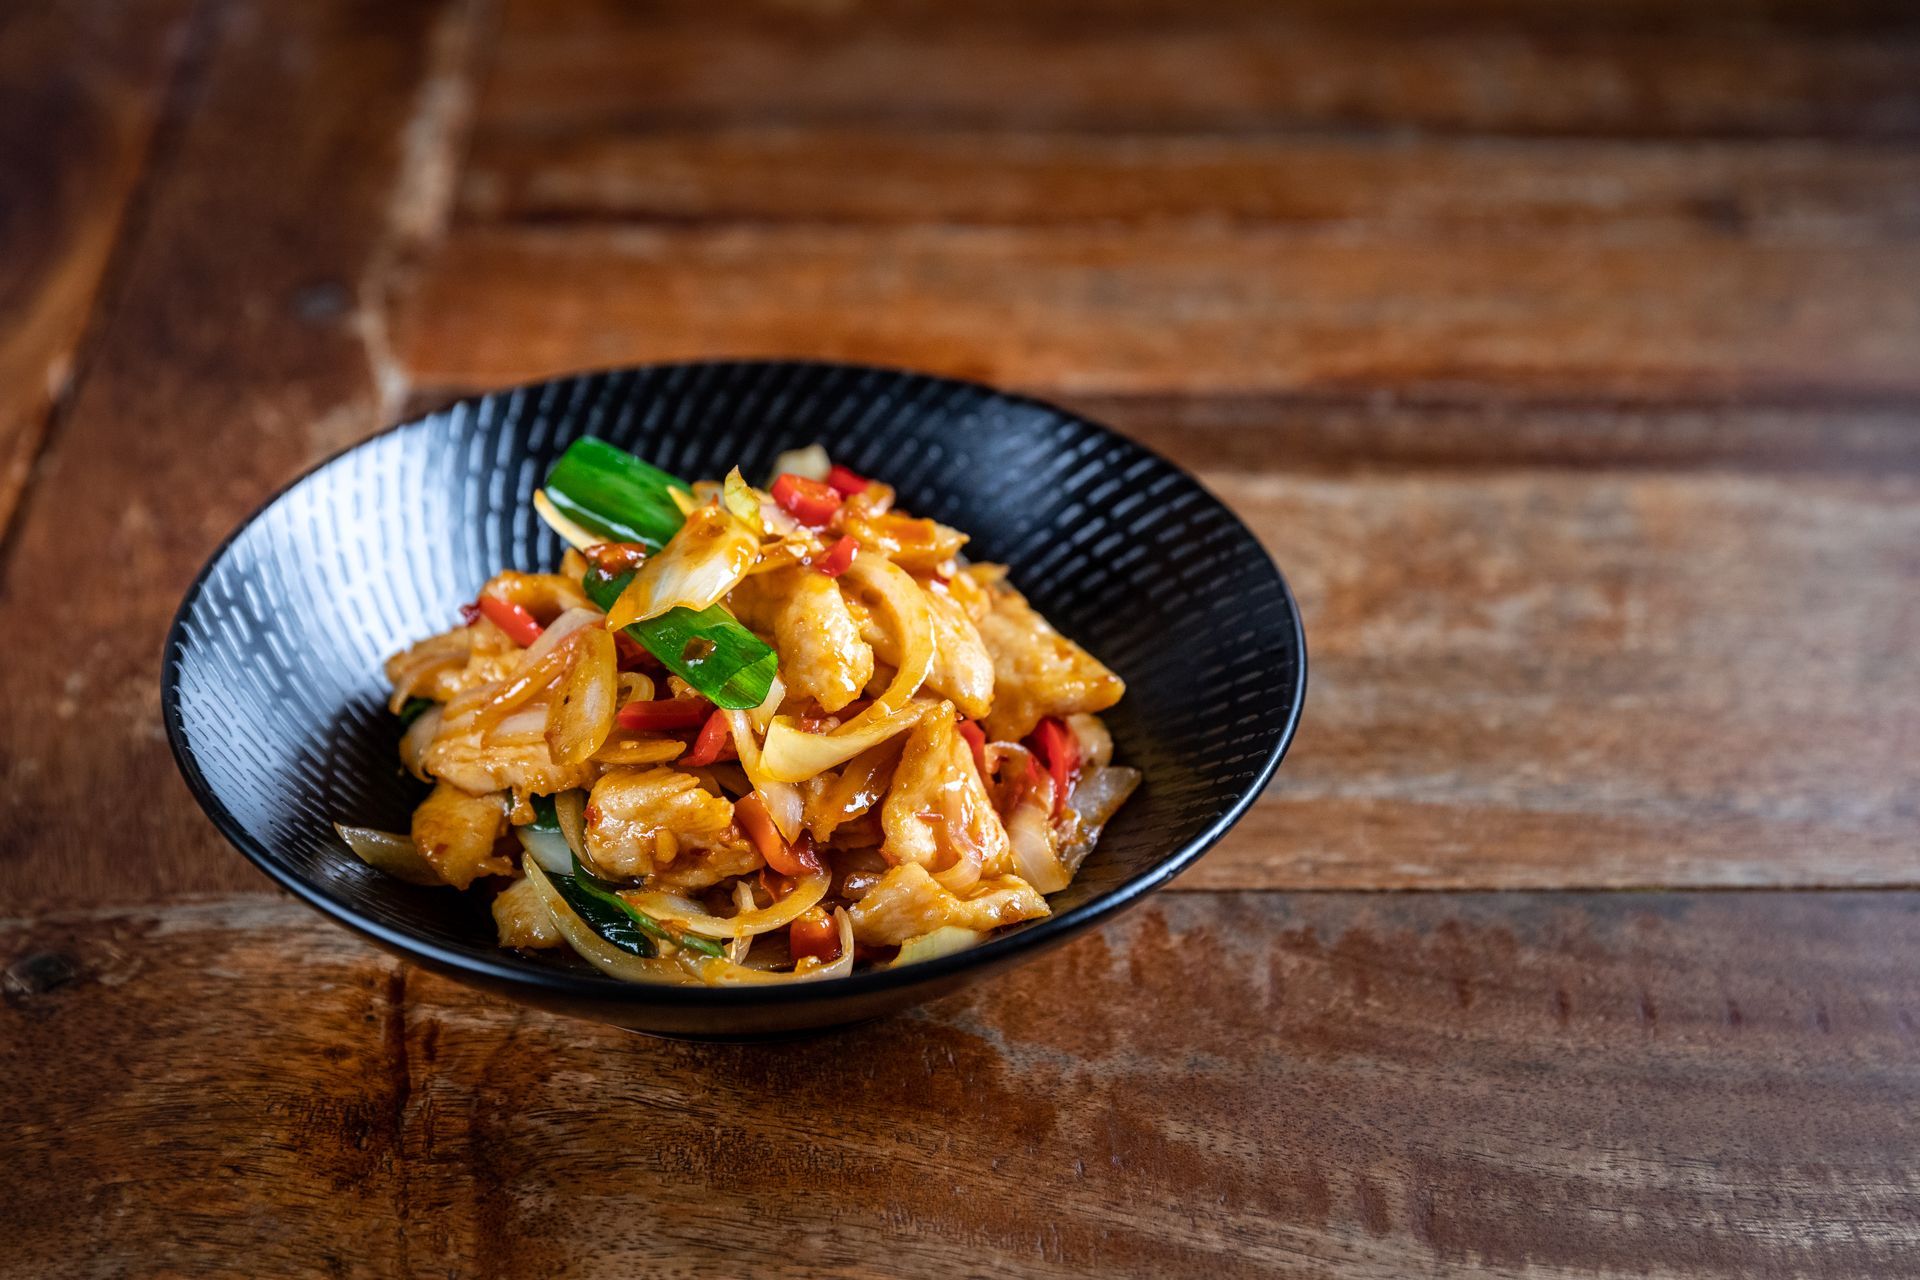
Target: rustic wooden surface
1567	356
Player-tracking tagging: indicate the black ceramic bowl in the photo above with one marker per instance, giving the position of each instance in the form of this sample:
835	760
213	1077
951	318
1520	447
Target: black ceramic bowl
274	698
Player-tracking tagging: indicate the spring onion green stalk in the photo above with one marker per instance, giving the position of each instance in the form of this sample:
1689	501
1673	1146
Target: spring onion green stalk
709	649
413	708
543	839
614	494
618	921
610	492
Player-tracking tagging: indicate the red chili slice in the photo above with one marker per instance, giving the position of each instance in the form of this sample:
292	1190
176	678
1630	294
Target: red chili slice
814	933
808	501
512	619
977	740
1062	751
714	743
838	559
845	481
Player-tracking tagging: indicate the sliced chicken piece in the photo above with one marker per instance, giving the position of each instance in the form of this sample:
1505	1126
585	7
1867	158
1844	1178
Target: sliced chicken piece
522	918
638	820
962	668
822	655
1037	671
704	867
443	666
455	831
473	760
908	902
937	813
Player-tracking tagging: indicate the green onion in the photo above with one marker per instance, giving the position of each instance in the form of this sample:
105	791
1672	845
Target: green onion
610	492
709	649
618	921
413	708
545	816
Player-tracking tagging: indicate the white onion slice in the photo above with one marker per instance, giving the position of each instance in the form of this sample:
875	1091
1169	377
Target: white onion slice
386	851
593	948
548	848
725	973
811	463
698	567
670	908
791	754
569	532
785	804
570	810
943	941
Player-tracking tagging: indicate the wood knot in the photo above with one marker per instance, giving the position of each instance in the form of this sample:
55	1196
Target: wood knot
38	973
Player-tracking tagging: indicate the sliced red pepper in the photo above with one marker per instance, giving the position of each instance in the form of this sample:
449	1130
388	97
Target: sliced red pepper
977	740
663	714
839	558
814	933
715	742
512	619
846	482
797	859
808	501
470	613
1062	750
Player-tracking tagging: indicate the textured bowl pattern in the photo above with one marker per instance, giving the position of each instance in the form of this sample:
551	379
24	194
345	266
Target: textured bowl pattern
274	698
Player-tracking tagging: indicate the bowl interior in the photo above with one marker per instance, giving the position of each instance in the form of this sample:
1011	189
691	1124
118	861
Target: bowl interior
273	686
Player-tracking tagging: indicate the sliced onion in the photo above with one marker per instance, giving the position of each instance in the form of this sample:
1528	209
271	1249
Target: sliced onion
559	629
698	567
569	532
581	714
742	501
548	848
791	754
635	686
811	463
629	749
725	973
396	855
522	728
785	804
593	948
418	737
570	811
738	948
1096	744
943	941
1094	800
1031	834
762	715
671	908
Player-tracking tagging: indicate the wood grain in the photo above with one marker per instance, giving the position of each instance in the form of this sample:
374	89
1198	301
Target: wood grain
82	87
1698	1085
239	352
1535	68
1188	311
1567	679
1598	191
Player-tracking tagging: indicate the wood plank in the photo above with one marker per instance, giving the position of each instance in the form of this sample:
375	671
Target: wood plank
1597	191
1189	311
238	354
1719	1085
81	89
1750	70
1566	679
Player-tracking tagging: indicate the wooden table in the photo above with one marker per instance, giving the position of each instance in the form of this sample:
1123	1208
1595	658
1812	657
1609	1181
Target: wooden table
1566	355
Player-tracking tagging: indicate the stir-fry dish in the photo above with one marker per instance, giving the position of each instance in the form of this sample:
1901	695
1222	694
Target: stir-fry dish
746	736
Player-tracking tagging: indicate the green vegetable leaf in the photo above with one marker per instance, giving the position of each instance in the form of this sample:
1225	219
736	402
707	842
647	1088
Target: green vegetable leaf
603	917
709	649
610	492
608	900
544	816
413	708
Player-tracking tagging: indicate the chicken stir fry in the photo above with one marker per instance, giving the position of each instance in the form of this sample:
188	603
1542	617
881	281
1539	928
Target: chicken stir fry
749	735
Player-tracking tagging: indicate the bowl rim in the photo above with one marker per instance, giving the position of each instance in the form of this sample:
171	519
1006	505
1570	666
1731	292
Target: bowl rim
591	985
